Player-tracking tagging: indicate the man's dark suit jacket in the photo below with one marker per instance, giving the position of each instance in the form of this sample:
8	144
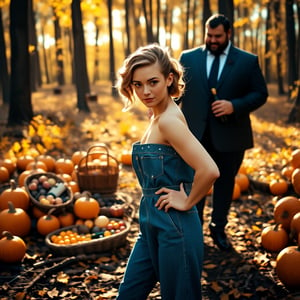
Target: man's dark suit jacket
241	82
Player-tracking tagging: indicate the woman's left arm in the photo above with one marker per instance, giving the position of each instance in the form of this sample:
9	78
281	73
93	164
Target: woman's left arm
195	155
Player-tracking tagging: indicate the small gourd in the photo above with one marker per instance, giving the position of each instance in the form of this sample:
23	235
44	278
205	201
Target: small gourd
15	220
47	223
66	219
12	248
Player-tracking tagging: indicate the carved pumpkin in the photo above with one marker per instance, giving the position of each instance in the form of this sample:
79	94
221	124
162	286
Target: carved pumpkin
12	248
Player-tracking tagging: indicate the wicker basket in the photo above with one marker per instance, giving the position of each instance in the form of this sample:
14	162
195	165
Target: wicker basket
98	171
67	194
95	245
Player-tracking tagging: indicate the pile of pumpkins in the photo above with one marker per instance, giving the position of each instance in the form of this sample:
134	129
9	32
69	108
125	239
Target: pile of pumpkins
17	214
283	238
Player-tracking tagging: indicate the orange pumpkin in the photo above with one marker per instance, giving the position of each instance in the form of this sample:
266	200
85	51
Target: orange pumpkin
243	181
288	266
66	219
47	223
4	174
64	166
285	209
236	192
65	177
24	174
48	160
278	186
86	207
296	180
295	226
16	195
23	161
12	248
77	156
274	238
73	185
9	164
15	220
34	165
242	169
126	158
295	160
36	212
287	172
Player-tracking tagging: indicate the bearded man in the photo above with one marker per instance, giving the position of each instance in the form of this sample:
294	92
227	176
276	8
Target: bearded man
224	84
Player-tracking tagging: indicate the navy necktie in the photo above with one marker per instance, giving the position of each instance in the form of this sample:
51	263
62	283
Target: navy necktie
213	75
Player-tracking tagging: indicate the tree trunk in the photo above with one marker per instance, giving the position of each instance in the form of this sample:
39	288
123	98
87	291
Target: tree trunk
20	109
268	44
81	76
187	19
206	15
278	21
4	77
114	91
127	27
35	70
227	8
148	20
58	51
96	76
291	45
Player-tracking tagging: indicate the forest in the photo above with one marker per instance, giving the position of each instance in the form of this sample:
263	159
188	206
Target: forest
59	61
84	42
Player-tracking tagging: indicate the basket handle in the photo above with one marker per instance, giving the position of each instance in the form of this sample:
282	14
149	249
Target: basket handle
101	145
84	160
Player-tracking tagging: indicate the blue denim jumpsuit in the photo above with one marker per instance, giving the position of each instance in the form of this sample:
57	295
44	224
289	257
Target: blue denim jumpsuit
169	248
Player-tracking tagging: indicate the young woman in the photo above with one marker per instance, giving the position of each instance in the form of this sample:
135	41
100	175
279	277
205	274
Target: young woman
174	172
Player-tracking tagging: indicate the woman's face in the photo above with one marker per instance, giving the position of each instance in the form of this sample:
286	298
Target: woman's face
150	85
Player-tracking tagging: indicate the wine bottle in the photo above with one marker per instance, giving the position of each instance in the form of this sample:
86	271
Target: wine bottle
57	190
223	118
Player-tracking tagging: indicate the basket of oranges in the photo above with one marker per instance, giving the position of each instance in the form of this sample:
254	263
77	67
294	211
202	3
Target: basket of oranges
98	171
78	239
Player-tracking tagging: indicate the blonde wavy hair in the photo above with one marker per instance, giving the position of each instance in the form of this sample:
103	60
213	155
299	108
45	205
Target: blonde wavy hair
145	56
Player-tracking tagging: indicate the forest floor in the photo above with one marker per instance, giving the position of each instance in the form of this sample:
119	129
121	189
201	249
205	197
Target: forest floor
246	272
